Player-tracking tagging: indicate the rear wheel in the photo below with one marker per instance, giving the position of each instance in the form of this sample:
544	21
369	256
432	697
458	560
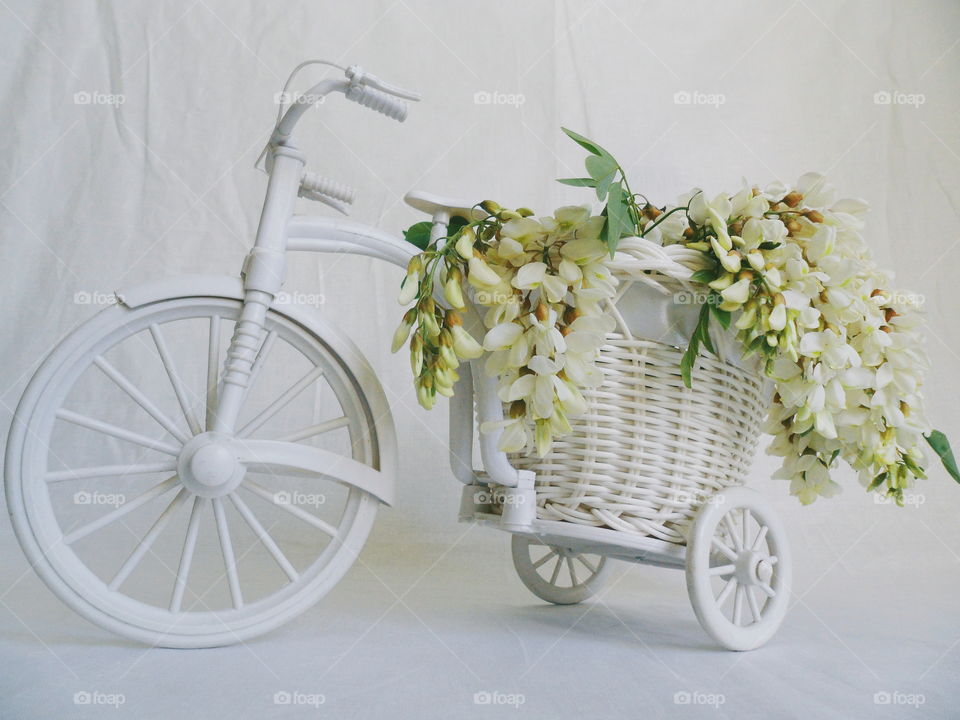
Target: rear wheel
110	488
558	575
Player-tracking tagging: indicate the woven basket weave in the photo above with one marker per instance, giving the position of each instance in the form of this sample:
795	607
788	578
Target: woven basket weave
649	451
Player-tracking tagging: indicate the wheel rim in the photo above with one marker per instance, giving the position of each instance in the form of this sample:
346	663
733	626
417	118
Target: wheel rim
738	569
193	614
558	575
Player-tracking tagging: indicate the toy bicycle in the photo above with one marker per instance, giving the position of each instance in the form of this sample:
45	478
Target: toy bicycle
167	426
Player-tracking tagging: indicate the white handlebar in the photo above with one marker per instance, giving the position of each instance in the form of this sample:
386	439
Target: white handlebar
358	86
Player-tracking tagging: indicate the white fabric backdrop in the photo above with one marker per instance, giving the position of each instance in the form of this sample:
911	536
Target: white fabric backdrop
96	196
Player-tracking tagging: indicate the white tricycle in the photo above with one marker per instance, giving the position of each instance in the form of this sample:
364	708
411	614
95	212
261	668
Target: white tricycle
164	435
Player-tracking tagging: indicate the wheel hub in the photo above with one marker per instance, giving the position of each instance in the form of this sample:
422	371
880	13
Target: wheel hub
753	568
208	466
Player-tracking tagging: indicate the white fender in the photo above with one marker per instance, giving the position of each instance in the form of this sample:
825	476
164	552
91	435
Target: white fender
379	484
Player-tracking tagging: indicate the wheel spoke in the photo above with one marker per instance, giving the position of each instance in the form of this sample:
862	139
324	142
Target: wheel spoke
754	607
732	530
727	589
545	559
186	557
226	547
147	541
722	547
319	429
746	528
138	397
722	570
264	537
114	515
213	368
101	471
761	536
592	568
738	605
767	589
307	517
573	572
281	402
114	431
178	388
556	569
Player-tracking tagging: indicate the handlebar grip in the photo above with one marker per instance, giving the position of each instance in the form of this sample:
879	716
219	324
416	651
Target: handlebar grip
379	101
312	182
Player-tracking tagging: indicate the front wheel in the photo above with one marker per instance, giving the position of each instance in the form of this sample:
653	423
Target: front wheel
738	568
108	515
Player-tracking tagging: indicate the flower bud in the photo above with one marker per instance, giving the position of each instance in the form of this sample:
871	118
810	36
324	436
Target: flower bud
452	290
524	212
542	312
792	199
813	216
403	330
481	272
416	355
490	206
731	261
409	289
464	343
464	244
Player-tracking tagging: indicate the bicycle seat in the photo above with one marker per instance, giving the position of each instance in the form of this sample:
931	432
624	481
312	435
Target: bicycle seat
432	204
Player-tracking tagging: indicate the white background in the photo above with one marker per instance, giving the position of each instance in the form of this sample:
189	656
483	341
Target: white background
93	198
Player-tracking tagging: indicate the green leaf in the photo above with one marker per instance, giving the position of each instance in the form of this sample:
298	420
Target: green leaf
578	182
688	360
833	456
768	245
588	145
722	316
877	481
616	212
703	329
941	446
453	227
603	186
601	166
704	276
418	234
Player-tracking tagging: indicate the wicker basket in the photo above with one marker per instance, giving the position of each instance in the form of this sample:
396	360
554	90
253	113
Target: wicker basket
649	451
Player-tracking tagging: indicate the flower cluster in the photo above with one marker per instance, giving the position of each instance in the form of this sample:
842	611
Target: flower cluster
787	268
842	346
541	285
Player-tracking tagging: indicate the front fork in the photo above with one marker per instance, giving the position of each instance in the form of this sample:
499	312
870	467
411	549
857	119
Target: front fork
263	271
